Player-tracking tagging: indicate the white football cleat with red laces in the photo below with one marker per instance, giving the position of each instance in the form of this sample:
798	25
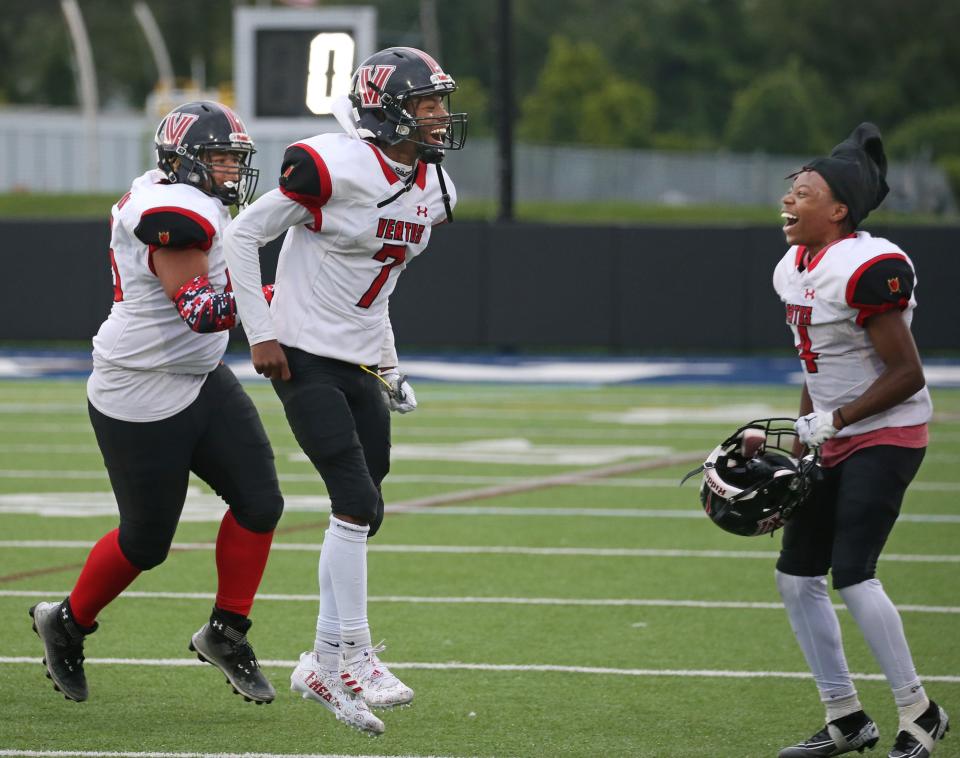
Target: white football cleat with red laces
339	692
380	687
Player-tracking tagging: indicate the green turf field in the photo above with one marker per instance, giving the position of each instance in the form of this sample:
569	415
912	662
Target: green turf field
595	617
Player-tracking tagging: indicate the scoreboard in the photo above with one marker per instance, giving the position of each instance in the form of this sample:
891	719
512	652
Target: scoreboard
290	63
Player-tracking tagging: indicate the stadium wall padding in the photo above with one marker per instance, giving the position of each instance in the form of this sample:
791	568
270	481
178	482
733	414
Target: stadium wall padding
517	287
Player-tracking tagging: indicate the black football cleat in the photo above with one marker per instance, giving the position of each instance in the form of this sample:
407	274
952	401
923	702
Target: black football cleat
920	738
62	641
855	732
222	642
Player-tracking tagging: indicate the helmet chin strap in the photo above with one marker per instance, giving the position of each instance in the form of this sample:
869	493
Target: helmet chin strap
446	195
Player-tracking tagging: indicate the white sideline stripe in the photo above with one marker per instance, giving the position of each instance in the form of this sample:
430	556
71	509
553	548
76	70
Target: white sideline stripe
103	754
524	667
468	600
615	552
200	509
202	506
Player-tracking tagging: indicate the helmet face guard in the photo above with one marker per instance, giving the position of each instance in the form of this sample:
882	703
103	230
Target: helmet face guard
383	91
751	483
185	140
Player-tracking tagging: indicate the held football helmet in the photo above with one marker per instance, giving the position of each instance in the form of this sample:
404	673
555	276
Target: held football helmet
752	484
188	134
382	88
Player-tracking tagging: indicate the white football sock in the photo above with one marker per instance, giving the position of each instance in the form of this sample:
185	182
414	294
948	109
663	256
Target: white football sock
327	642
910	713
345	546
880	623
817	629
843	706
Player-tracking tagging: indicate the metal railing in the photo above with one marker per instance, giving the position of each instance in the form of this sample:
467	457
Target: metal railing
44	151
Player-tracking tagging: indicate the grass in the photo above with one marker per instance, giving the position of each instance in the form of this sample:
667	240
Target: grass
605	611
26	205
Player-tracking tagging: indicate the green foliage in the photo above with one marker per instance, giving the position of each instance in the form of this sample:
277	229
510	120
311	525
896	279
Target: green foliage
471	97
935	134
951	167
580	98
884	61
778	112
621	113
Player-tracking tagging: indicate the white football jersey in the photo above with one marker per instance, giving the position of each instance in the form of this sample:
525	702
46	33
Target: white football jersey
144	341
827	304
343	254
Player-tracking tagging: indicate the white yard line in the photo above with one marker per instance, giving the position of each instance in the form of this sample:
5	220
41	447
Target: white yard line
475	600
523	667
202	506
624	552
154	754
616	482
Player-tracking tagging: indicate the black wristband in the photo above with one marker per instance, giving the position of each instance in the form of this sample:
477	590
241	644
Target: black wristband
842	419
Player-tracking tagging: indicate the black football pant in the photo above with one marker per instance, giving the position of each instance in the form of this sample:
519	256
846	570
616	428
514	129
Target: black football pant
845	526
341	422
219	437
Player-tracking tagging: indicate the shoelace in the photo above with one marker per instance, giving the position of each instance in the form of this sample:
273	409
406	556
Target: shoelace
386	675
73	656
245	654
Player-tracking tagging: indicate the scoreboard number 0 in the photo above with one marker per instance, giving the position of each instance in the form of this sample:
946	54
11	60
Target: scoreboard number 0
329	69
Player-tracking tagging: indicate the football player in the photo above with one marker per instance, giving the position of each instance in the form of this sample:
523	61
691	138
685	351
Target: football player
162	403
357	206
849	301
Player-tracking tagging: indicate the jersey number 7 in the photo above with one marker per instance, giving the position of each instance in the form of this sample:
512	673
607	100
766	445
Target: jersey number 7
392	255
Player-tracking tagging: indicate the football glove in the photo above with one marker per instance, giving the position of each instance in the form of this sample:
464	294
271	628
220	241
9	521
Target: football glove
397	392
815	428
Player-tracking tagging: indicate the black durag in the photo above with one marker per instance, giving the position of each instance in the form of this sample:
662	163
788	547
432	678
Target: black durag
856	171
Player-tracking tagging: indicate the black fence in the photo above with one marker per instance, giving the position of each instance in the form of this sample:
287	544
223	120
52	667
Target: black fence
517	287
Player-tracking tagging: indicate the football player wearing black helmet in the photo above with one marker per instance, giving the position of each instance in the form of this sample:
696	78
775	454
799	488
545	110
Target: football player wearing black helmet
357	206
163	404
205	144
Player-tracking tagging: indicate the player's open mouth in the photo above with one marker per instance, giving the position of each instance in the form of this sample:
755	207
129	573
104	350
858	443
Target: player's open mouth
788	219
437	136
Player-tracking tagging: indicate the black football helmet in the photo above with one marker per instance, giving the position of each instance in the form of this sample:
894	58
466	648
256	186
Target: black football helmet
189	132
381	89
752	484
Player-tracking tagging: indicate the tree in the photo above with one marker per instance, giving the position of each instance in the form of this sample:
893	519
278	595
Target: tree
472	98
580	98
780	113
934	135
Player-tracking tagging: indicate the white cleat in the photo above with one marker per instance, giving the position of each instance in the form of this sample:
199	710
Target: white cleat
380	688
335	691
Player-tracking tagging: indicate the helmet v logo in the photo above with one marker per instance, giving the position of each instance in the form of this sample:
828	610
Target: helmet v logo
378	75
176	126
